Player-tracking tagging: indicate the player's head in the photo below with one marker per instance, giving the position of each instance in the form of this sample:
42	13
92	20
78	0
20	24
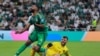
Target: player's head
64	40
34	8
49	45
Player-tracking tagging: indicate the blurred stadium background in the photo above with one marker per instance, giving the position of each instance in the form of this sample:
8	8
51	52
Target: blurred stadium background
61	15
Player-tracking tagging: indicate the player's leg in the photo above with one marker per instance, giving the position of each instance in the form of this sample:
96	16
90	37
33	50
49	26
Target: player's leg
41	40
23	47
33	52
31	39
41	53
31	29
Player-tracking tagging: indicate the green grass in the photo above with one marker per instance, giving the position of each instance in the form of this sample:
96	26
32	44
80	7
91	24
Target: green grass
8	48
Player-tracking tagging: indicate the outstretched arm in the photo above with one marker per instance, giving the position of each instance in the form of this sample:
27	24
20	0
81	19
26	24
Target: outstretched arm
24	29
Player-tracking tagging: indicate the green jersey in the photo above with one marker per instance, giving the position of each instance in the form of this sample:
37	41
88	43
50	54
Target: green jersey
39	19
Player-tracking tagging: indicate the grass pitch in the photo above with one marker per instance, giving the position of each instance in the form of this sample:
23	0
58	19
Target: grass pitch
8	48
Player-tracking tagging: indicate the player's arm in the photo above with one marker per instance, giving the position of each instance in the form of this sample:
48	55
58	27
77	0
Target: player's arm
24	29
39	25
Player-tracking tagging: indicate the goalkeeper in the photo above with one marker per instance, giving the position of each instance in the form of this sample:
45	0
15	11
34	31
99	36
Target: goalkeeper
56	48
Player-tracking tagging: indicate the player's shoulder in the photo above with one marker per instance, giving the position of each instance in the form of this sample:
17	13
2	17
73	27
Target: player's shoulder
56	43
29	18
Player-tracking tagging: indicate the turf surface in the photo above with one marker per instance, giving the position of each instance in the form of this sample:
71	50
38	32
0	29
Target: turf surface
8	48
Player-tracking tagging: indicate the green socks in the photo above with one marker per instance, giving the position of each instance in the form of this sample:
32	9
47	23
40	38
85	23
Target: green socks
21	49
42	49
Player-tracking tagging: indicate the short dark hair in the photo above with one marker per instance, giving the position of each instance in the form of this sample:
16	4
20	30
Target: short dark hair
49	45
65	37
36	5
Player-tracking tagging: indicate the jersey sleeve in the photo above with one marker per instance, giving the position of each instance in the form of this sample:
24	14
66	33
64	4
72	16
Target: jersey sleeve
31	21
29	18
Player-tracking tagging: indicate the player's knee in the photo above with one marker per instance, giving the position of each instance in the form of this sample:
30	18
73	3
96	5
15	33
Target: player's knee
28	43
36	48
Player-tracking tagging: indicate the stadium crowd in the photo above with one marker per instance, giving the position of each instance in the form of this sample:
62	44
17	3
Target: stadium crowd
61	15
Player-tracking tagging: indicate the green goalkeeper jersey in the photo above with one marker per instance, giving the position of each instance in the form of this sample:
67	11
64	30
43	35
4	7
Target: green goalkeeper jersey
39	19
